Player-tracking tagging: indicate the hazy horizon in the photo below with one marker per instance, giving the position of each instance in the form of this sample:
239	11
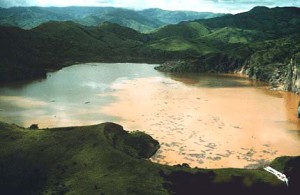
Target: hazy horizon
217	6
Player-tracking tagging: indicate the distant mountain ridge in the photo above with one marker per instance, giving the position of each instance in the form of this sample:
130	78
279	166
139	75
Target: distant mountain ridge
282	20
143	21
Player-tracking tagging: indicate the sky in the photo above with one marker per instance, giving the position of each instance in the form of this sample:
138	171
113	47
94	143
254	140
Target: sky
221	6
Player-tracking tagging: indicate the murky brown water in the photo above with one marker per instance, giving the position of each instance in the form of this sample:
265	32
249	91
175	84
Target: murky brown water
205	120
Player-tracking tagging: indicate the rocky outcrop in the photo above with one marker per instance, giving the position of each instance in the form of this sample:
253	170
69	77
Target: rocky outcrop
282	75
137	144
177	66
213	62
292	80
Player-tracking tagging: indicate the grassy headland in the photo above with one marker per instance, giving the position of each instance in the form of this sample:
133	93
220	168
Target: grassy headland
105	159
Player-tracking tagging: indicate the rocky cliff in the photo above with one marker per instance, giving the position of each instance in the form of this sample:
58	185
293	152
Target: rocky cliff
292	80
281	75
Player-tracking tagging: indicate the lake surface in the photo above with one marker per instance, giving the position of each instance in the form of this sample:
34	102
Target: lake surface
208	121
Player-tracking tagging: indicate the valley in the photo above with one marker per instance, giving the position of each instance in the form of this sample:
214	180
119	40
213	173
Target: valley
206	100
264	52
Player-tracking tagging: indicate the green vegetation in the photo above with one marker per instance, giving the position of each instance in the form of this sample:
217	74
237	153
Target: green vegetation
188	30
77	160
50	46
105	159
174	17
136	143
143	21
261	43
276	21
236	35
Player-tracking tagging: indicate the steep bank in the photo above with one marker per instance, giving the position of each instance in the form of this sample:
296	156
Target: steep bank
292	79
275	62
280	76
104	159
259	43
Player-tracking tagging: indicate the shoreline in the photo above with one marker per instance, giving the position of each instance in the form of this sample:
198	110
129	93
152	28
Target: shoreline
229	157
236	73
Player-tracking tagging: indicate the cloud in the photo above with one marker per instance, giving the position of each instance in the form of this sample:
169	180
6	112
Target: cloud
232	6
73	2
10	3
257	2
235	6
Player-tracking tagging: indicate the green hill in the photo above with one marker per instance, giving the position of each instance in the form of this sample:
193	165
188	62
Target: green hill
174	17
105	159
27	54
143	21
277	21
261	43
28	17
185	30
123	17
236	35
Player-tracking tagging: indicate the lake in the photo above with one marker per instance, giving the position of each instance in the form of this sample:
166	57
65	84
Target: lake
205	120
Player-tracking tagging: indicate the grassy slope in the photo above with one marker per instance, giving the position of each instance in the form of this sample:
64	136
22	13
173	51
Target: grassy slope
276	21
217	44
174	17
28	17
261	42
82	160
257	25
76	160
24	53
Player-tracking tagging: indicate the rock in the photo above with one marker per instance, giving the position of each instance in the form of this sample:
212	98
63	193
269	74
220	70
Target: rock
175	66
137	144
292	170
298	110
185	165
34	126
292	80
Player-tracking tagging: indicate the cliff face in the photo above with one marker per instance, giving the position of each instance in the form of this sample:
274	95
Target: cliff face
280	75
292	80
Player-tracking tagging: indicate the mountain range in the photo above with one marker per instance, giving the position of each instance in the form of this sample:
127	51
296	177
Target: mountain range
262	43
143	20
